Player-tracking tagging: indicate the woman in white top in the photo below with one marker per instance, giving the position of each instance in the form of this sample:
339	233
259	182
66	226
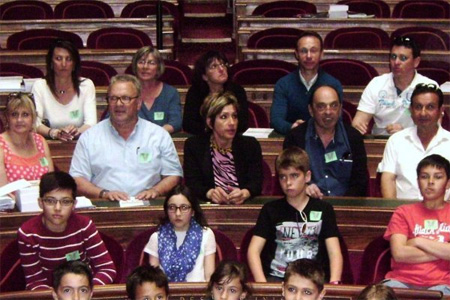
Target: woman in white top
183	246
63	98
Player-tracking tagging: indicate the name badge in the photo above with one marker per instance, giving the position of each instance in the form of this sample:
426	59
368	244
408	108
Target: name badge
431	224
75	114
44	162
75	255
144	157
158	115
330	157
315	215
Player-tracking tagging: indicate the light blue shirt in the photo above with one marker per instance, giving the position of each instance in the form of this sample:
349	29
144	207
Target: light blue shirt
104	158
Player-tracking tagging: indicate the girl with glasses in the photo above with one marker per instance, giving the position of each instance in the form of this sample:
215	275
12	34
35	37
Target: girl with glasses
184	247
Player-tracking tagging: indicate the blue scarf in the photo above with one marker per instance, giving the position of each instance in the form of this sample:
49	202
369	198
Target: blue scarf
177	263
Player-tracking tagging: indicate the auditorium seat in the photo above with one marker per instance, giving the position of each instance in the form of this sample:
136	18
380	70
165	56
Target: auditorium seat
25	10
40	39
225	248
274	38
117	254
357	38
445	122
376	261
98	72
378	8
427	38
425	9
83	9
349	72
439	71
18	69
118	38
284	9
12	277
260	71
348	111
267	179
176	73
257	117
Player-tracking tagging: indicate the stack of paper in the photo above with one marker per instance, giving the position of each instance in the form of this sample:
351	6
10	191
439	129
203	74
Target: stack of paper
27	197
259	133
11	83
6	203
338	11
83	202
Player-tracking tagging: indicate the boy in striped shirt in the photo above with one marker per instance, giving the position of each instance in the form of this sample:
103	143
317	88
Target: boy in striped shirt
59	234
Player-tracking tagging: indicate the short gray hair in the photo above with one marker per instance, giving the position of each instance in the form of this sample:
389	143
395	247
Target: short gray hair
126	78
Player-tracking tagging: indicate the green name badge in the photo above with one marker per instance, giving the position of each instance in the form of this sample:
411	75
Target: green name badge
315	215
159	115
431	224
144	157
75	255
330	157
44	162
75	114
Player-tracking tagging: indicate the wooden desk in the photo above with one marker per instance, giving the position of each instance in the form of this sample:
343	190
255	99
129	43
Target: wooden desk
83	27
197	291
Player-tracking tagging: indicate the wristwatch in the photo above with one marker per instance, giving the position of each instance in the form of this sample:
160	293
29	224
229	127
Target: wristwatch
102	193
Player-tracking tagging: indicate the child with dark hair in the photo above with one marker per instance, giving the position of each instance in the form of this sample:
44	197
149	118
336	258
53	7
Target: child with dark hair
59	234
72	280
377	292
419	233
303	278
184	247
229	281
147	282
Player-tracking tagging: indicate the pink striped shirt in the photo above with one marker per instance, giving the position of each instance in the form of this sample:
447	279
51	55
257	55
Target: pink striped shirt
42	250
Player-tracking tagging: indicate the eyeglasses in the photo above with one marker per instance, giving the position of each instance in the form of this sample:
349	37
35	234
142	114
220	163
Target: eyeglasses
18	95
62	202
402	39
147	62
216	66
123	99
183	208
427	86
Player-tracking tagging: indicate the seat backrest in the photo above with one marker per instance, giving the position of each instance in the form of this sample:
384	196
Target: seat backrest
83	9
427	38
357	38
445	122
117	254
347	273
348	111
40	39
225	248
260	71
376	261
118	38
257	116
144	8
267	179
439	71
12	277
243	249
18	69
378	8
274	38
349	72
98	72
25	10
436	9
176	73
284	9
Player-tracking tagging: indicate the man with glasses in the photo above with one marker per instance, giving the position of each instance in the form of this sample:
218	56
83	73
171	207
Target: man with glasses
336	150
406	148
59	235
125	156
387	97
292	92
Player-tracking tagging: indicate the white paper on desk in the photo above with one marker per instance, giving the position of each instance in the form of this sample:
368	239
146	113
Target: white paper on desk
83	202
14	186
6	202
132	202
11	83
259	133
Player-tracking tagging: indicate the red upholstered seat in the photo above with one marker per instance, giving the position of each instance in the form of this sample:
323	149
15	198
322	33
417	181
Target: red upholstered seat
348	112
357	38
12	277
98	72
25	10
284	9
376	261
378	8
225	248
260	71
436	9
427	38
274	38
40	39
118	38
117	254
267	179
18	69
349	72
83	9
257	116
176	73
439	71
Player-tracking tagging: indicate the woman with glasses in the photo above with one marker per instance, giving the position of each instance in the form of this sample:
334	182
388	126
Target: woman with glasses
160	101
222	165
210	78
24	154
65	102
184	247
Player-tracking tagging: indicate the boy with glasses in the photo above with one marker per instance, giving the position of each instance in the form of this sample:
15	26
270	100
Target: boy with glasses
387	97
59	234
